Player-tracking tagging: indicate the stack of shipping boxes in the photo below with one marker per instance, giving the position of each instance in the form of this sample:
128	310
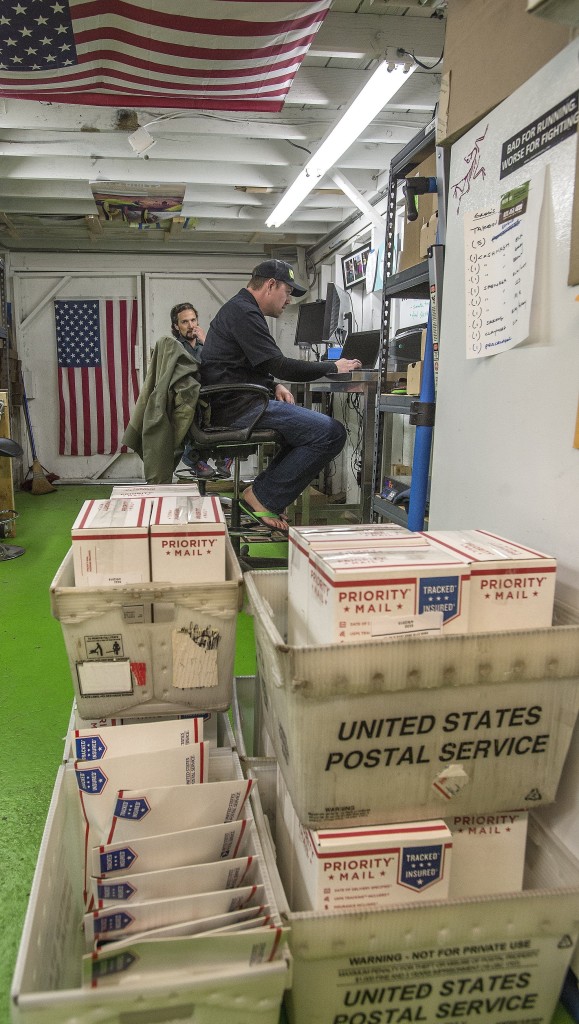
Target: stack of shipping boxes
151	890
418	703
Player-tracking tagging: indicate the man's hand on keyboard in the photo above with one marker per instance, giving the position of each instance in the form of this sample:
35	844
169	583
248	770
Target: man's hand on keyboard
346	365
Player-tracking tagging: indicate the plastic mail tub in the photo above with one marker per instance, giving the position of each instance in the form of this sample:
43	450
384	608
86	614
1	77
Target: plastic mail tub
152	647
497	960
411	729
46	987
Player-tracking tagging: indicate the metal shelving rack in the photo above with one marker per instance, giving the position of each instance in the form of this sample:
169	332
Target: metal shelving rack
423	281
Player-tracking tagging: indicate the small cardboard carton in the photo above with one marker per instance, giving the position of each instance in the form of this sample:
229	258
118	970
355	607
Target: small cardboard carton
187	540
414	377
370	867
468	90
414	371
511	586
365	868
365	595
428	234
304	540
410	254
488	853
110	542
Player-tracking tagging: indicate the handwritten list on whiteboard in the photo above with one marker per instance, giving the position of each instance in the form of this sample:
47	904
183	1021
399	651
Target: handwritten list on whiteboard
500	255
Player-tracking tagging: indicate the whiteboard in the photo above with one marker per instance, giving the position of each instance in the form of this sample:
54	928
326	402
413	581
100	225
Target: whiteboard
503	456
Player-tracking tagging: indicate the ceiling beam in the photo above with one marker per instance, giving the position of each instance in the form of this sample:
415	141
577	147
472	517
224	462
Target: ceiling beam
368	35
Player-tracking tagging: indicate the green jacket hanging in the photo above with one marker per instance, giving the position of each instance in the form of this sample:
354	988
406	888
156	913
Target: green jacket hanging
164	410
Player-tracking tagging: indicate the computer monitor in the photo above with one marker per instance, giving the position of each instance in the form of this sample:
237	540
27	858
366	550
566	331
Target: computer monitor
310	323
336	305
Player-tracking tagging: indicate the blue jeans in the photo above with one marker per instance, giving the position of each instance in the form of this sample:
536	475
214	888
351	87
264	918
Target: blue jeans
310	441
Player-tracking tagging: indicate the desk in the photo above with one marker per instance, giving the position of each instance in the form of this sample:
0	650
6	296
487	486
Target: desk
362	382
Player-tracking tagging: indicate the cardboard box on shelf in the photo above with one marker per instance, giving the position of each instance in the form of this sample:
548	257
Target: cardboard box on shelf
428	235
414	378
427	205
516	42
110	542
414	370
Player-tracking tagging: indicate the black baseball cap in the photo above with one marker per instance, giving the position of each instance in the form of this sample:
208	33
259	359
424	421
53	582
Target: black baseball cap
280	271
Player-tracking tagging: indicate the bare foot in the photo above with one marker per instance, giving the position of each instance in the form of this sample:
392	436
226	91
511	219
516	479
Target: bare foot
270	519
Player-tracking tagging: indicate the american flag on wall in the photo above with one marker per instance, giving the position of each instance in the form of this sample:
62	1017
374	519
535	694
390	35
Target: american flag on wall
97	378
210	54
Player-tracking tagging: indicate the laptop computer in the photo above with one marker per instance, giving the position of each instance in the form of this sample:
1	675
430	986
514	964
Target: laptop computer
362	345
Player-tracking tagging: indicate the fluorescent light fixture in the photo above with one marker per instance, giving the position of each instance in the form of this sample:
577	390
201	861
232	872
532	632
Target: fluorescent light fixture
377	92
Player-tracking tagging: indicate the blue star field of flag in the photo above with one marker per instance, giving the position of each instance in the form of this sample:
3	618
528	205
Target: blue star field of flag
36	36
78	333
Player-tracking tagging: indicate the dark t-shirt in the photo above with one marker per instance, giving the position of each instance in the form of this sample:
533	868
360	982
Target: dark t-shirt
240	349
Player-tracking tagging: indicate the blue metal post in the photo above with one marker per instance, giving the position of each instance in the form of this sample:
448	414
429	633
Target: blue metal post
423	441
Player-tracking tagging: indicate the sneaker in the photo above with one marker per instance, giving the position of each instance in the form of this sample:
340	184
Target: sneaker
197	467
223	470
203	470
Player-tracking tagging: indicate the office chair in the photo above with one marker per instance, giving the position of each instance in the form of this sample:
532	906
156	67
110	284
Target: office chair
10	449
239	443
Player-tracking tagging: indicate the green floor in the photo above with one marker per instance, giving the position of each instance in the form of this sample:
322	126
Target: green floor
36	696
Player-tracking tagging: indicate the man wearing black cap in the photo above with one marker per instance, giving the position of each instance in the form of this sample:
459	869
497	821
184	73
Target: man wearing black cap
239	349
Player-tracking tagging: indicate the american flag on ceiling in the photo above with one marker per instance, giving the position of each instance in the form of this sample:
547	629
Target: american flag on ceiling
96	343
190	54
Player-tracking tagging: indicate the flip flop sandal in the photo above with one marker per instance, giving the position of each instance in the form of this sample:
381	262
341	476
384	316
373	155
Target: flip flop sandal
258	516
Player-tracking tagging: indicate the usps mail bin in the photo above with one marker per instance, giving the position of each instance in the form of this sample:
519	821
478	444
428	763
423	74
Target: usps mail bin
150	647
410	729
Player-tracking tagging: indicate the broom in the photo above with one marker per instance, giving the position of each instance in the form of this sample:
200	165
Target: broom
40	484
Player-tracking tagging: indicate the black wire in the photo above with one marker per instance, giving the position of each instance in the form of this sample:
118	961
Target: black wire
425	67
308	151
353	402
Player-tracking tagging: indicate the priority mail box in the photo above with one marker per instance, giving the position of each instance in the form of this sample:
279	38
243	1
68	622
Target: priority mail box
363	595
303	540
187	540
373	866
110	542
488	853
191	488
365	868
511	586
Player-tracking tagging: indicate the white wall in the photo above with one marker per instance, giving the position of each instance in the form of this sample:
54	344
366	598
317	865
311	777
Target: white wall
503	441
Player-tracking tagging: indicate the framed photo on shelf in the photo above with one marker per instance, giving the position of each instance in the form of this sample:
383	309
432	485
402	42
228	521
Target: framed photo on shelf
354	266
